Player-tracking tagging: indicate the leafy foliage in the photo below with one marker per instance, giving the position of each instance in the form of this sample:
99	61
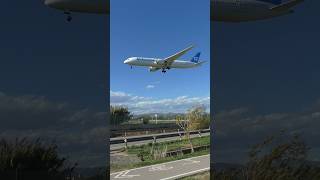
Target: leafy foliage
196	118
145	121
24	159
119	114
279	157
199	118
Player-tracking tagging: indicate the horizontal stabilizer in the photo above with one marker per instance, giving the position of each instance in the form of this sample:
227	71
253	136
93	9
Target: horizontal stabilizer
201	62
287	5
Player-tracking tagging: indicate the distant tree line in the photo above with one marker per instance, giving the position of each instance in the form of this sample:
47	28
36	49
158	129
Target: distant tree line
160	116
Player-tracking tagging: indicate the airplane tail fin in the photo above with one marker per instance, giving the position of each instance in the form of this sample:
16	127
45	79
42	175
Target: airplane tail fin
196	58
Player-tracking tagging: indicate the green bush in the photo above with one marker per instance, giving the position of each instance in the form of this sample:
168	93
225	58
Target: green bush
25	159
145	121
119	115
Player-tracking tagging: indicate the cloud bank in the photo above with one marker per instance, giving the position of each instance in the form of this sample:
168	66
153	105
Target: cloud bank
80	133
141	105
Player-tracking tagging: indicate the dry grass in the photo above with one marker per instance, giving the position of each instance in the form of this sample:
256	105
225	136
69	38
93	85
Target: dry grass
279	157
201	176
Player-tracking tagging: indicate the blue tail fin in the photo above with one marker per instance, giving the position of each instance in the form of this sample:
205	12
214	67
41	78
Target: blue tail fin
275	2
196	58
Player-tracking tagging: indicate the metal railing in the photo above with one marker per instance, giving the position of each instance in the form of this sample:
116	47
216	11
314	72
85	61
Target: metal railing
154	137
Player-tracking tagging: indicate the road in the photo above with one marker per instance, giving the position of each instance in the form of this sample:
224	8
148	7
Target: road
122	145
166	171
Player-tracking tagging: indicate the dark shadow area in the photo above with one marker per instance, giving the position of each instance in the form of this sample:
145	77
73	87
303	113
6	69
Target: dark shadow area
264	79
55	82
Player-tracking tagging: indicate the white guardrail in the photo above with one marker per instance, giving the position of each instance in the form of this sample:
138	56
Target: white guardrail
154	137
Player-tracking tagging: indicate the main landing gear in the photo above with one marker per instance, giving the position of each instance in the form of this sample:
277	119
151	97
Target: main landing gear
68	14
164	70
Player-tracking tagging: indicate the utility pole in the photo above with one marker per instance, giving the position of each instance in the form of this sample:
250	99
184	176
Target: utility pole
156	115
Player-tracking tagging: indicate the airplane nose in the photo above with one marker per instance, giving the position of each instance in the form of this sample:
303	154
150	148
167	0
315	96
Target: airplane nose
126	61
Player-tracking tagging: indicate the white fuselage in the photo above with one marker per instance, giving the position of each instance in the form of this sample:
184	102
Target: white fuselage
156	63
221	10
243	10
86	6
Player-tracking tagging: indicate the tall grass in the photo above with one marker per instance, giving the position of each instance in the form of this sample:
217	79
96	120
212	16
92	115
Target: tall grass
281	157
32	159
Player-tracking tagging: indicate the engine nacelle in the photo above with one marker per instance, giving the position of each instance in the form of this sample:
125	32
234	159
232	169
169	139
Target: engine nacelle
152	69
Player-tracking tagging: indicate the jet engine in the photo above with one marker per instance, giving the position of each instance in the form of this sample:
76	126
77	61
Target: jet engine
152	69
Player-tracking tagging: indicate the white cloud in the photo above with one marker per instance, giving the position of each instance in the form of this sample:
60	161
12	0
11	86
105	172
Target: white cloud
140	105
150	86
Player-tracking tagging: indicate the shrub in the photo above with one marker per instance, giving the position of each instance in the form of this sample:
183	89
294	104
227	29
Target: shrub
279	158
25	159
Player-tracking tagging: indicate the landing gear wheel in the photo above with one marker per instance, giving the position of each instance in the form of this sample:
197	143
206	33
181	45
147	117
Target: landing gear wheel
69	17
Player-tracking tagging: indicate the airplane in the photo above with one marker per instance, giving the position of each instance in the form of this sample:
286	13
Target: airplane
156	64
250	10
221	10
82	6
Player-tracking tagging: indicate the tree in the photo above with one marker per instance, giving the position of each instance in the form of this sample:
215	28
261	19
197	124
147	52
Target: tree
186	126
195	119
199	118
119	114
25	159
145	120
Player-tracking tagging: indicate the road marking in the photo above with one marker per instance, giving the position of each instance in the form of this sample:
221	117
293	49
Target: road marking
123	174
185	174
160	168
190	162
162	163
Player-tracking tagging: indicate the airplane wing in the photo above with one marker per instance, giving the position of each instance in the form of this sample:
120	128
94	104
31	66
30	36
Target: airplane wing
169	60
287	5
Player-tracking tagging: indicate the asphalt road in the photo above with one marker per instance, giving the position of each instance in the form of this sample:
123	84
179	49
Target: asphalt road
166	171
122	145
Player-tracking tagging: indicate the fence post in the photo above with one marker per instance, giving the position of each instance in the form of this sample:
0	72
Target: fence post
125	142
180	138
154	139
199	132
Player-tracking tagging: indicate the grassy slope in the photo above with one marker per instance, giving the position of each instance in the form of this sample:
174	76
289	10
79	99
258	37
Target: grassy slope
172	145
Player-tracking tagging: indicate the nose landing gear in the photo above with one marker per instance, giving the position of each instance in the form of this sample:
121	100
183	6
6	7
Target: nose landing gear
68	14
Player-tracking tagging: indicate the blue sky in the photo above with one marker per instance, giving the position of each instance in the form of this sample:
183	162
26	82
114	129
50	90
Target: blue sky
159	29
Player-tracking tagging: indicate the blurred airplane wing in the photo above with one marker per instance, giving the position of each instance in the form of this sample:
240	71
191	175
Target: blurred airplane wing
169	60
286	5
